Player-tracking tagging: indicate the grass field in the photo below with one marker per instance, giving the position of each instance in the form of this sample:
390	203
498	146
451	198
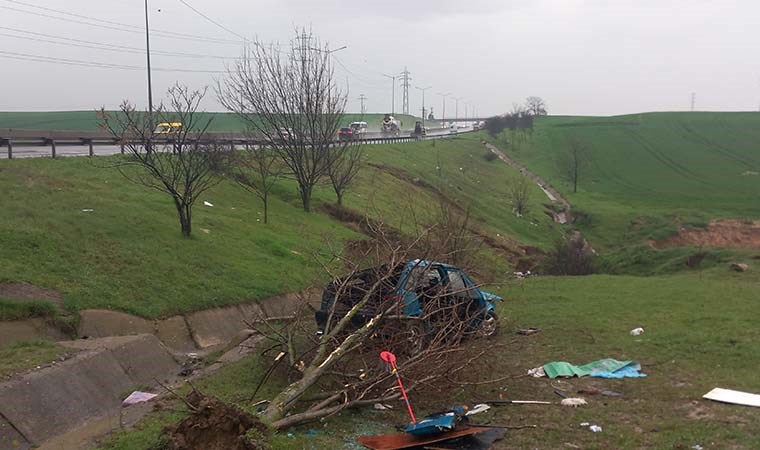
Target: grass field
128	253
699	334
651	172
88	121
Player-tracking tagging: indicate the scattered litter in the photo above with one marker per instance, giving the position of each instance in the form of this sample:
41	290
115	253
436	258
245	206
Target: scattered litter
595	429
88	210
603	368
697	447
406	440
312	432
477	409
138	397
279	356
206	230
518	402
295	252
735	397
205	203
573	401
538	372
637	331
381	407
528	331
585	424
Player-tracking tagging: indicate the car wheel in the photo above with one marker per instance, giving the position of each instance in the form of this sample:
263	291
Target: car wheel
489	327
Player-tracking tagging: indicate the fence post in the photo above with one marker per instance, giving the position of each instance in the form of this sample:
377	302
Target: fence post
92	153
10	149
52	147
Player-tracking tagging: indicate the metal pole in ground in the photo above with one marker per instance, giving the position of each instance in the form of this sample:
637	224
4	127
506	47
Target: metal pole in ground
10	149
52	147
92	153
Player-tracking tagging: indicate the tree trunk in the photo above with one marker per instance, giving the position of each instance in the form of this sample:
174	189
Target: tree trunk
265	200
183	212
305	192
339	193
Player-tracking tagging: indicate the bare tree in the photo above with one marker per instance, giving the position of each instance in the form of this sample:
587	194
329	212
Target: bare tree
519	193
536	106
343	359
574	160
290	99
176	159
345	165
256	169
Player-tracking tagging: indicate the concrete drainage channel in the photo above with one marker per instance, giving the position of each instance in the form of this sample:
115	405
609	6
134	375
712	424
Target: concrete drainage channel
66	404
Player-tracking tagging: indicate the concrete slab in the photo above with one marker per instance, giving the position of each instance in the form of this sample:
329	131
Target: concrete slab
10	438
36	329
216	326
51	401
96	323
173	332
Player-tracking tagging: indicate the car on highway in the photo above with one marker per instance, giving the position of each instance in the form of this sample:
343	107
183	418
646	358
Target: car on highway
360	128
167	127
409	285
346	134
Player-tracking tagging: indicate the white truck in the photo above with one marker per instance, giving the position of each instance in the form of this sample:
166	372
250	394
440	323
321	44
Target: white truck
390	125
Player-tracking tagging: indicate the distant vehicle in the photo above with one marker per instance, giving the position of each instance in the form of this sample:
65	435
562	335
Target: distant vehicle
167	127
346	134
476	125
419	130
359	128
413	283
285	133
390	125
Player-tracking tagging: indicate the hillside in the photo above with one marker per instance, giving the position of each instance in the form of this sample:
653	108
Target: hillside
88	121
650	174
128	254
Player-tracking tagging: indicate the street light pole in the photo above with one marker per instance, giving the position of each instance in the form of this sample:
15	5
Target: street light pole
150	86
443	117
456	113
423	103
393	93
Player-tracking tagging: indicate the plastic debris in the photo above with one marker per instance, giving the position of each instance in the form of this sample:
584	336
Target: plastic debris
381	407
138	397
477	409
88	210
538	372
573	401
595	429
735	397
697	447
637	331
205	203
585	424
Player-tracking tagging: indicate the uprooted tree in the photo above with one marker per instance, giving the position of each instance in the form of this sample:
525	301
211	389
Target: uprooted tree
176	158
289	98
339	368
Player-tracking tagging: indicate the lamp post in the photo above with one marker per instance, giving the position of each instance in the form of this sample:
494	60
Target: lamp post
393	93
423	103
443	117
456	111
150	87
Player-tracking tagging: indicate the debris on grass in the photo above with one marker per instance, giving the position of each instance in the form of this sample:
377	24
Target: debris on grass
528	331
603	368
734	397
477	409
207	203
605	392
537	372
637	331
138	397
573	402
739	267
406	440
595	429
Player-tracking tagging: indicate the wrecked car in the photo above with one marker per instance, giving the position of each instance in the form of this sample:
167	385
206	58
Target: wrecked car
409	286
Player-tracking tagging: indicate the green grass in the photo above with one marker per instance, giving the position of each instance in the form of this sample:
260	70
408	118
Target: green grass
88	120
22	309
22	356
675	167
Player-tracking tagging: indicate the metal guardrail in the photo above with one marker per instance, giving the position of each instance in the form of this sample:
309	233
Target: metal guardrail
11	140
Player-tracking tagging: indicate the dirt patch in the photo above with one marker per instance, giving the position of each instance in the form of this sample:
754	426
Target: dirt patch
718	234
26	291
214	425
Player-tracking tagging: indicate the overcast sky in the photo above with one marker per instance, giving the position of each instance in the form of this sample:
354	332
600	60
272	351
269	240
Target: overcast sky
584	57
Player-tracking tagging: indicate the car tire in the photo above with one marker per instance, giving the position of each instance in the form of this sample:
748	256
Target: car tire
489	326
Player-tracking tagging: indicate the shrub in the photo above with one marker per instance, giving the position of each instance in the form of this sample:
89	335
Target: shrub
570	256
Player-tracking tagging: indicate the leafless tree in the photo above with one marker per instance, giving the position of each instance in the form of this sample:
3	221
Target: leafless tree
345	165
574	160
256	169
176	160
536	106
343	360
519	193
288	96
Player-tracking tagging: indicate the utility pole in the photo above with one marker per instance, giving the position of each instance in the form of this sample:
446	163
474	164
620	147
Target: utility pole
150	84
443	117
405	79
423	102
393	93
362	98
693	100
456	113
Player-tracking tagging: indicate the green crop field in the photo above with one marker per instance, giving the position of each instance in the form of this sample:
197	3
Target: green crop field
696	166
89	121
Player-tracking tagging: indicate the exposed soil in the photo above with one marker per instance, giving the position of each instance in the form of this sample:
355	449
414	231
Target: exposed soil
215	425
719	233
26	291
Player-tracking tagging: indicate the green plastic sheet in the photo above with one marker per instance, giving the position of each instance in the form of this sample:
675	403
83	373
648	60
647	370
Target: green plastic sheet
606	365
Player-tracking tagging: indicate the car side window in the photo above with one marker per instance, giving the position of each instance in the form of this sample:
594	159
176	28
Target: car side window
459	287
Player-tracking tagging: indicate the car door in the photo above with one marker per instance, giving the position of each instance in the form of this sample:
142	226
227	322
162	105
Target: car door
464	294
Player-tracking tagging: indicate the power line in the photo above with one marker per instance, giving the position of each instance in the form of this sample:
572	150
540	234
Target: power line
96	64
126	28
101	46
213	21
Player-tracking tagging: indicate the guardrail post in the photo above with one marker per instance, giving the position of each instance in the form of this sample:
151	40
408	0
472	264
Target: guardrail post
10	149
89	142
52	147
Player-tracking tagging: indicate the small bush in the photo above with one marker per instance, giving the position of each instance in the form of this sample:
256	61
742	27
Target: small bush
490	156
570	256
